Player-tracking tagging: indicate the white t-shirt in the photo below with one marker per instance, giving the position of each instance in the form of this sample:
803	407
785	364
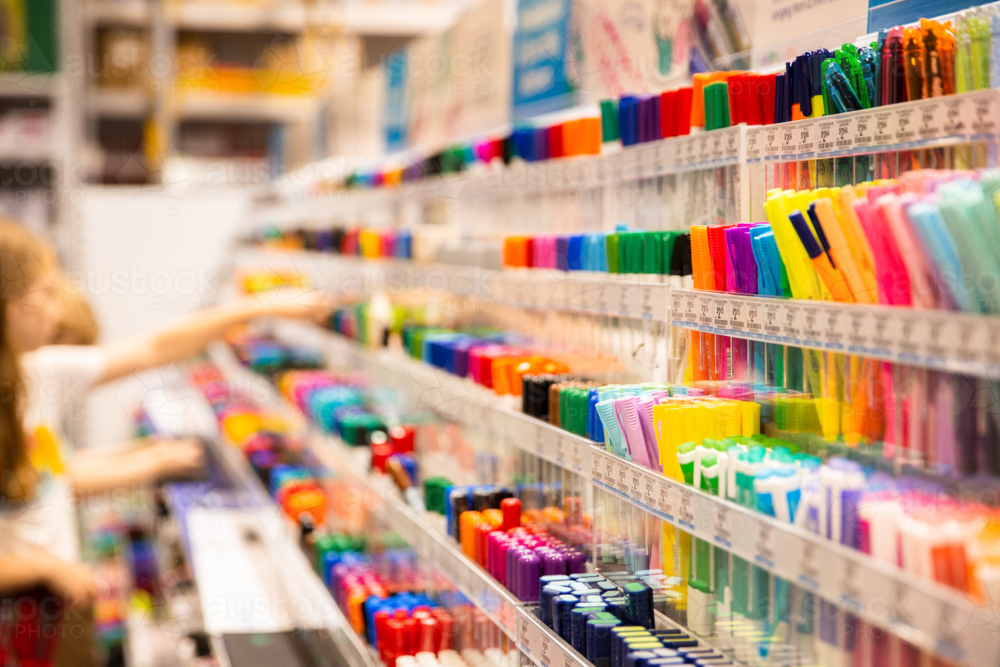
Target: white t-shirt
57	378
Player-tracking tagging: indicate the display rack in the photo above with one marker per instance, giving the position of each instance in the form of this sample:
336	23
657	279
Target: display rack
952	120
491	598
313	608
535	289
943	340
932	616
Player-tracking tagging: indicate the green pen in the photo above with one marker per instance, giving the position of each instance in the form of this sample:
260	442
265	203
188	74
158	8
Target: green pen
849	60
979	37
963	56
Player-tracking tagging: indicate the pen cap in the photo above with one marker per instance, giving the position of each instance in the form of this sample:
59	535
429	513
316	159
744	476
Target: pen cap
698	100
628	120
805	234
668	112
682	115
555	141
609	121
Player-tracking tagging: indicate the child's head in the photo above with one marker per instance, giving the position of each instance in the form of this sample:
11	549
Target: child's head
77	324
29	310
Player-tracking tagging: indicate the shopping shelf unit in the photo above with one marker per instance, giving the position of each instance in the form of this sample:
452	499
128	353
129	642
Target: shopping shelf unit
943	340
938	339
535	289
931	616
313	607
953	120
491	598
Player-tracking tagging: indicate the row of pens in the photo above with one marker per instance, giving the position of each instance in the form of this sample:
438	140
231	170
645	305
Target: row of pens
928	240
918	61
721	438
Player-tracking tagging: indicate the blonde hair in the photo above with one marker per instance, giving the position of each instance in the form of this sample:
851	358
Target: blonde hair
23	259
77	324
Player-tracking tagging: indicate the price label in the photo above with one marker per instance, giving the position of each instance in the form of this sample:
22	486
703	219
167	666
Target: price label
666	156
666	499
704	149
811	332
806	137
636	487
578	452
723	526
720	313
906	127
629	164
597	466
863	132
809	573
736	315
621	476
540	441
685	510
885	127
545	649
983	111
650	490
648	160
646	301
732	145
601	303
526	634
763	545
789	141
755	145
560	450
930	120
751	318
772	144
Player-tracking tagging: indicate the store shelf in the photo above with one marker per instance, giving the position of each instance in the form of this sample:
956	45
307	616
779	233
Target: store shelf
286	17
939	122
943	340
934	617
122	103
458	399
296	598
931	616
260	107
14	84
133	13
535	289
492	599
929	123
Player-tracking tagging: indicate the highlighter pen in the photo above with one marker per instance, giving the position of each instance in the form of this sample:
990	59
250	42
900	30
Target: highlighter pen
913	53
829	274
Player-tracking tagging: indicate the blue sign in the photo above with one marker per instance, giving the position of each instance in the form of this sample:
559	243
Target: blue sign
395	118
540	46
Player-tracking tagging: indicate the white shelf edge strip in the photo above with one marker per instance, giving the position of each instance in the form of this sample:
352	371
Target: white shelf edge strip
932	123
475	584
922	612
938	339
316	607
934	617
944	340
539	289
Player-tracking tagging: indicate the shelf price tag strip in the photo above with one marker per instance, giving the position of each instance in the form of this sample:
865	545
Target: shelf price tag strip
955	342
876	591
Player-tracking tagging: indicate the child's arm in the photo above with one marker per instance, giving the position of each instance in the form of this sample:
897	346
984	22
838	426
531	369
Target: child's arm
73	582
191	334
94	472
